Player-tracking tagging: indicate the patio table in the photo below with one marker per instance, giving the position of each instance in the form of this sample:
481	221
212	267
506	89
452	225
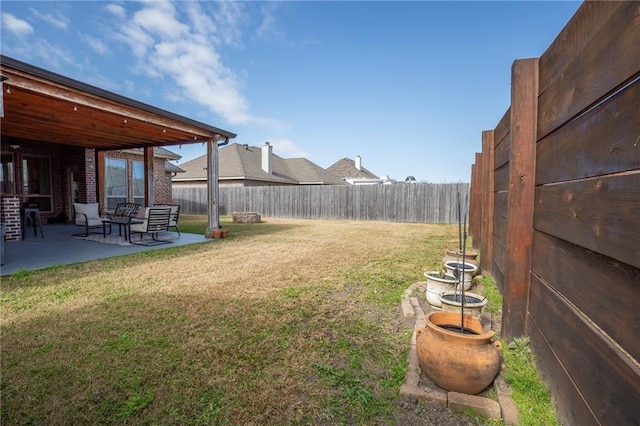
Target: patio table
122	223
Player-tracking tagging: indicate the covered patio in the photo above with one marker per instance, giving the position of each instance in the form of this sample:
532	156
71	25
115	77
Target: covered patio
55	132
60	247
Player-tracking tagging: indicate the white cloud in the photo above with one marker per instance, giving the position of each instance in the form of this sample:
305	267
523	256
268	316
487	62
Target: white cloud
182	42
158	18
287	149
15	25
59	21
116	10
267	29
96	44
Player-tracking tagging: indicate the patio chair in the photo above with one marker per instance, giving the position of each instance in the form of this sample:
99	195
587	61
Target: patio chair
156	220
175	215
87	216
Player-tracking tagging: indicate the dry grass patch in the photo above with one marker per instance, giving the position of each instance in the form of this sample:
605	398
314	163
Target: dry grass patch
295	325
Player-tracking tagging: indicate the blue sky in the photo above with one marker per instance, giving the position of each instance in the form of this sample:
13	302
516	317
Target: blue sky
408	86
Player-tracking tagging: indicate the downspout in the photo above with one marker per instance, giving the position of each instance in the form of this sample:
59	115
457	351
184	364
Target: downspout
213	204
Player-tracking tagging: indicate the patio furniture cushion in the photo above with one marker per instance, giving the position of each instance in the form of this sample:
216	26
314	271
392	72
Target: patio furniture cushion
124	210
156	220
87	214
175	215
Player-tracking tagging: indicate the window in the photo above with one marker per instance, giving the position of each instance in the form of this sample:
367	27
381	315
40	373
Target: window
36	182
115	182
138	182
7	178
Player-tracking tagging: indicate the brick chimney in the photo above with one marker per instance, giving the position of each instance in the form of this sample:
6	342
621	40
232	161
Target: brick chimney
267	150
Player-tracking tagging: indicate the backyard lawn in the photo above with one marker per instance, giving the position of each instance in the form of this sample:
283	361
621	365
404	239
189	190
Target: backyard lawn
286	321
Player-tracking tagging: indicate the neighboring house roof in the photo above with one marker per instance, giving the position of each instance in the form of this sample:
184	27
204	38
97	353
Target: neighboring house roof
307	172
172	168
346	168
244	162
158	152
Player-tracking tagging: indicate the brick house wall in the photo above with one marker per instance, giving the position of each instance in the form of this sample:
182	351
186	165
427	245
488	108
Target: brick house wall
67	161
161	179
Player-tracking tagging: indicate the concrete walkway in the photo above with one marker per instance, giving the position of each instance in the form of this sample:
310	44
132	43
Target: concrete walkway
60	247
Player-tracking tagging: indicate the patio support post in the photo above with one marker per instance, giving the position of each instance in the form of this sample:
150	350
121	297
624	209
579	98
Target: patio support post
213	193
148	176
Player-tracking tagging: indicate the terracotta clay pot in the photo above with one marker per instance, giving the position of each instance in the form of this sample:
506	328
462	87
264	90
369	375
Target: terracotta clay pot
225	233
455	361
217	233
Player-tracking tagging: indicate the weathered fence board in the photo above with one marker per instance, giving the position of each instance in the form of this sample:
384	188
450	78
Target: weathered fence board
592	75
584	276
502	131
502	151
487	191
501	178
500	229
601	214
611	303
577	412
500	260
428	203
603	375
501	199
604	140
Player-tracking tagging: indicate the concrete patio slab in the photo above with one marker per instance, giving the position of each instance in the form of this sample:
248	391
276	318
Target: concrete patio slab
60	247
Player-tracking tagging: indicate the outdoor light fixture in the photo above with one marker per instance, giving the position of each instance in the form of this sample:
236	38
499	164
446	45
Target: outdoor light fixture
75	107
8	89
14	146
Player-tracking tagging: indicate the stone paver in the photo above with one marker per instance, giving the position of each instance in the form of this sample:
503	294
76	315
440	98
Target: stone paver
485	406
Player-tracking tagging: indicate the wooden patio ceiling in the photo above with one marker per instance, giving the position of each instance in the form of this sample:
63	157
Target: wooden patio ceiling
44	106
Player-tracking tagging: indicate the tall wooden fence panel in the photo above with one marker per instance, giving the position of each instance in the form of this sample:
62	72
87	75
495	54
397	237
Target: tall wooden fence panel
580	297
422	202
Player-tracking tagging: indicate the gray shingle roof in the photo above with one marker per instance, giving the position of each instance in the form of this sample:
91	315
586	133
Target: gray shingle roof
346	168
239	161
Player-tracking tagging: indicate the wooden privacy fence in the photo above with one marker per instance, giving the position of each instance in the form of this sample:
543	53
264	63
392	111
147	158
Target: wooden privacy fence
555	212
422	202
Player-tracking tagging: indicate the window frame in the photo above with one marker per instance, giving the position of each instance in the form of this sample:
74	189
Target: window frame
120	198
44	201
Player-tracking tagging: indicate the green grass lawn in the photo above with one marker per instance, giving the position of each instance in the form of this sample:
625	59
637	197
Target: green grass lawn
284	322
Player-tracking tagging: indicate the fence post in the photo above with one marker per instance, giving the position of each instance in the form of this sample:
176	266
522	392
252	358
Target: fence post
524	120
486	224
475	201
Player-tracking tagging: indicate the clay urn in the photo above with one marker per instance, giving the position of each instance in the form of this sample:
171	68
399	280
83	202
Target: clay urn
465	362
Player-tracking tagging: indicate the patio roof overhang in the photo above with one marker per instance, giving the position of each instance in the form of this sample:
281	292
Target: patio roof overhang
44	106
